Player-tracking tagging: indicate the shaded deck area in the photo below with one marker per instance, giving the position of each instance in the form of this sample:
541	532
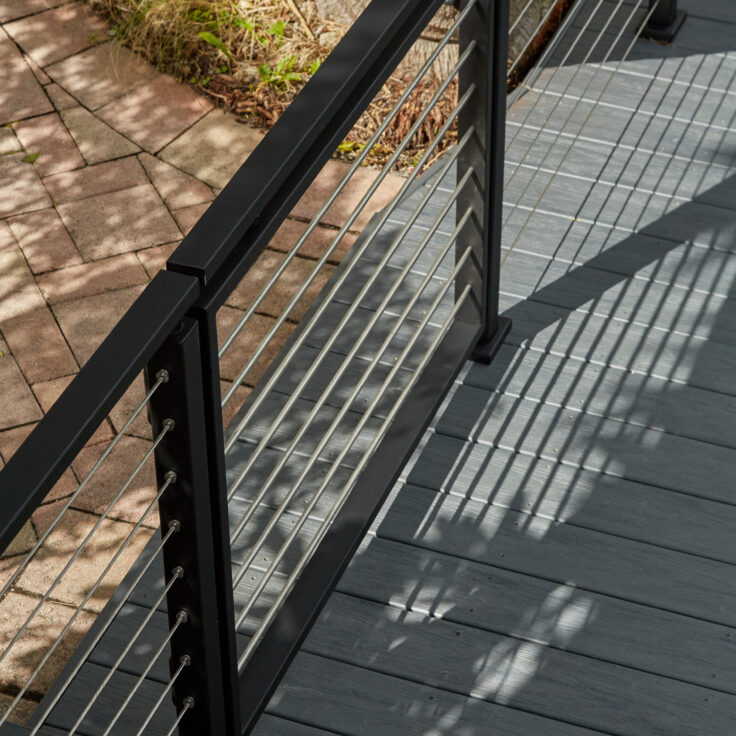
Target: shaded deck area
558	557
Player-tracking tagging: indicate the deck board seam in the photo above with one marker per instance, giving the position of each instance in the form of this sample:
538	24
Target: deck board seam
545	578
635	111
517	637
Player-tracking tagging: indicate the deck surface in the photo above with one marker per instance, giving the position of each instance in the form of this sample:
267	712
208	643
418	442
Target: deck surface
558	558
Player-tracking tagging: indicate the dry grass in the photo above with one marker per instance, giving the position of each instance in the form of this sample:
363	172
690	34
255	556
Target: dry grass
253	57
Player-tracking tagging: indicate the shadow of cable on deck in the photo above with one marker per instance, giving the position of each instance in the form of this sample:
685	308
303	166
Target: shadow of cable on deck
564	529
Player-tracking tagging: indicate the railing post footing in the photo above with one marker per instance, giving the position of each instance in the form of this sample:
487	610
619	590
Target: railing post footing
485	351
665	23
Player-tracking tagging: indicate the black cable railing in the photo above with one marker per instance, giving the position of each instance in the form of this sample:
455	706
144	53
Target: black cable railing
259	519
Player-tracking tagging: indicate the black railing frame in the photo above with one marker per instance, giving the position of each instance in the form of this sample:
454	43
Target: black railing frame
172	327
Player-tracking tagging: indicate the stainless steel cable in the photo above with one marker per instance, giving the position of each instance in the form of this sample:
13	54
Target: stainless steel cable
321	531
351	310
293	534
188	704
353	216
181	618
185	661
161	377
509	177
327	435
383	218
344	365
585	120
171	478
174	526
532	36
168	425
512	27
339	188
561	64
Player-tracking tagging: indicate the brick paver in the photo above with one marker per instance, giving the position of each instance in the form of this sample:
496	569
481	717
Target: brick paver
101	74
105	164
22	95
156	112
57	33
47	137
44	240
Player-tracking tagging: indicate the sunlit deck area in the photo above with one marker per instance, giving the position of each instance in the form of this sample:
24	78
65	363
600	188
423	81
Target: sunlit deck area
558	557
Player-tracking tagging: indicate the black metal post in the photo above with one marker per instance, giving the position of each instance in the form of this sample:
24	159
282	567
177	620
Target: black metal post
487	27
664	22
207	635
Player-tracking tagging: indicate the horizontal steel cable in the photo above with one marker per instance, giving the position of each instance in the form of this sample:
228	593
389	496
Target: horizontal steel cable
509	177
161	377
187	704
339	188
557	70
353	216
336	377
174	526
168	425
181	618
293	534
580	128
325	525
302	335
185	661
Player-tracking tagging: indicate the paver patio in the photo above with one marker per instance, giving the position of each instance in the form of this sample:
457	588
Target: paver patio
105	164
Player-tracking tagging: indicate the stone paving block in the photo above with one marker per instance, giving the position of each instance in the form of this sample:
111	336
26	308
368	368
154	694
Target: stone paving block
119	222
284	289
347	201
12	9
154	259
101	74
89	279
156	112
319	240
19	293
86	322
38	346
176	188
214	148
23	541
8	141
22	95
21	189
188	217
96	140
39	73
111	176
60	99
87	569
19	404
44	240
247	343
48	137
55	34
44	628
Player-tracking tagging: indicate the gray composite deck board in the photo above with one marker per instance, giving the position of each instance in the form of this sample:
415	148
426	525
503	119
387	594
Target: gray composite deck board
557	557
